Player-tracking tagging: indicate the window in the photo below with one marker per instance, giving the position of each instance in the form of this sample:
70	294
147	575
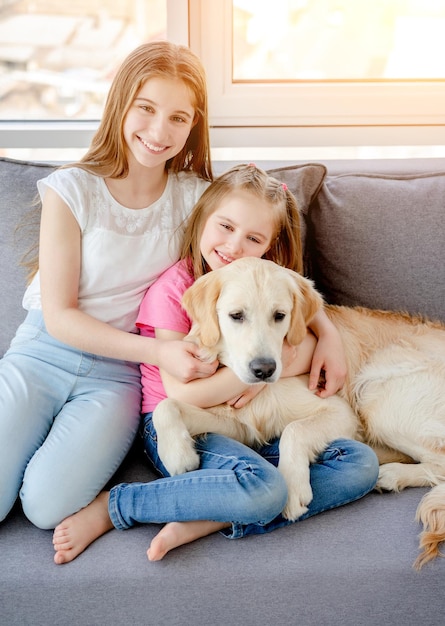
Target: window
324	72
338	40
286	77
57	60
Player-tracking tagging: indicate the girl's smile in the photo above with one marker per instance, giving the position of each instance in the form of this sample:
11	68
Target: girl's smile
152	147
242	225
159	121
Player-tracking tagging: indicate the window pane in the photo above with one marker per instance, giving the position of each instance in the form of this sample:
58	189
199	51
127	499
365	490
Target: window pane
57	58
338	40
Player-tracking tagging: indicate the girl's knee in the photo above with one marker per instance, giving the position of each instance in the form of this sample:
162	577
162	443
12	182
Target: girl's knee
371	468
277	496
46	503
359	462
368	460
266	492
42	515
352	451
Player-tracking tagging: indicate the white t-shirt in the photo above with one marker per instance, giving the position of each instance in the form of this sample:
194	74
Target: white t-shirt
123	250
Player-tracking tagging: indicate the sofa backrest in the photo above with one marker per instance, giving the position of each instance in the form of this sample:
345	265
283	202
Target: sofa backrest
378	239
371	239
17	195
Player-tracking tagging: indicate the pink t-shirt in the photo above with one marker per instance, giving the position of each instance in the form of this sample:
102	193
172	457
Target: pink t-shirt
161	308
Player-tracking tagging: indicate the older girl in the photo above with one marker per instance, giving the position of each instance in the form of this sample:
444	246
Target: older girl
70	392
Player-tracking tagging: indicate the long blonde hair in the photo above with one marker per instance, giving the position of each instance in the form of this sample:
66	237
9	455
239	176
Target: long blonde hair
107	155
286	249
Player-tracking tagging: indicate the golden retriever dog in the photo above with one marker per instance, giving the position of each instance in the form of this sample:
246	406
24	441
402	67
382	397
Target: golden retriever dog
393	398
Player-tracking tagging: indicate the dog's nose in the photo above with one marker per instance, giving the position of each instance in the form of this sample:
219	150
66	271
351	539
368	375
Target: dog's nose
263	368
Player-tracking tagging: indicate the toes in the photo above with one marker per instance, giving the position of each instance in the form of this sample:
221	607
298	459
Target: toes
62	545
60	558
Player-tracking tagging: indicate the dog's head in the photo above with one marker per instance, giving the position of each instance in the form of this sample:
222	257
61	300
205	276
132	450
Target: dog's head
242	313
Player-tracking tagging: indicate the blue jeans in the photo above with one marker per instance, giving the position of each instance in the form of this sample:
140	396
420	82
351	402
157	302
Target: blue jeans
67	419
240	485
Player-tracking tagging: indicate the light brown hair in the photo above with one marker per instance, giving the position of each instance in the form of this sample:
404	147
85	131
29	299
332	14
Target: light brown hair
107	155
285	248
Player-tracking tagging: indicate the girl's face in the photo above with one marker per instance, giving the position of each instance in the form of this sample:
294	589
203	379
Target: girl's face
241	226
159	121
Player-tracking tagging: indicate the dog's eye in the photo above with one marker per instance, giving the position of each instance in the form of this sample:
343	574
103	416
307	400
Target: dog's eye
278	316
238	316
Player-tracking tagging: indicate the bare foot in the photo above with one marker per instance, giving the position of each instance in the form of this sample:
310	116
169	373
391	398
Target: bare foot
76	532
175	534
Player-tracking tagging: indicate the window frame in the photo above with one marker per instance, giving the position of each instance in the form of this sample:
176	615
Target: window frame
61	134
312	113
256	115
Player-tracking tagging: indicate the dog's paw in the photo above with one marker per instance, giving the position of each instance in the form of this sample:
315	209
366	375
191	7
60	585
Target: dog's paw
297	502
389	478
179	457
293	510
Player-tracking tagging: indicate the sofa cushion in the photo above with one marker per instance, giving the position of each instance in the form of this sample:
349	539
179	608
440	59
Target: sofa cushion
304	181
379	241
18	193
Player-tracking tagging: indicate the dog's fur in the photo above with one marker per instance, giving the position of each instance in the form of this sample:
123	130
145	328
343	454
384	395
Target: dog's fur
393	398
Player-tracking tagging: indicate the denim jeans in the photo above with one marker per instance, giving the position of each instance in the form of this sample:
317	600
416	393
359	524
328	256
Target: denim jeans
237	484
67	419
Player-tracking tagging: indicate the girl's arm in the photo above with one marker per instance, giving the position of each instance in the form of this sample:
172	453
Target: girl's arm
224	385
202	393
329	356
59	265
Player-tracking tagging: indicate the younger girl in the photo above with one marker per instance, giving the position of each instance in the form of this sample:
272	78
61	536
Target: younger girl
236	489
70	383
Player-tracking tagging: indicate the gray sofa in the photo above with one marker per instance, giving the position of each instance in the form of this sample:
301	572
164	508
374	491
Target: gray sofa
375	235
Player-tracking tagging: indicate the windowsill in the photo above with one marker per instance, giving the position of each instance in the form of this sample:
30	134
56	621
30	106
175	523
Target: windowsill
245	154
315	153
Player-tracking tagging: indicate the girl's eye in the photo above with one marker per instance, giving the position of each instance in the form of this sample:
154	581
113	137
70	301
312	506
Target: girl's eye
254	239
226	226
179	119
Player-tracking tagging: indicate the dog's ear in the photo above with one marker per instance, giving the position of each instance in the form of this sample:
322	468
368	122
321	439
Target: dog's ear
199	301
307	301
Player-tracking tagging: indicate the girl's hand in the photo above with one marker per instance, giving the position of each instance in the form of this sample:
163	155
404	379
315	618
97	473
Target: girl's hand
328	369
239	401
181	359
